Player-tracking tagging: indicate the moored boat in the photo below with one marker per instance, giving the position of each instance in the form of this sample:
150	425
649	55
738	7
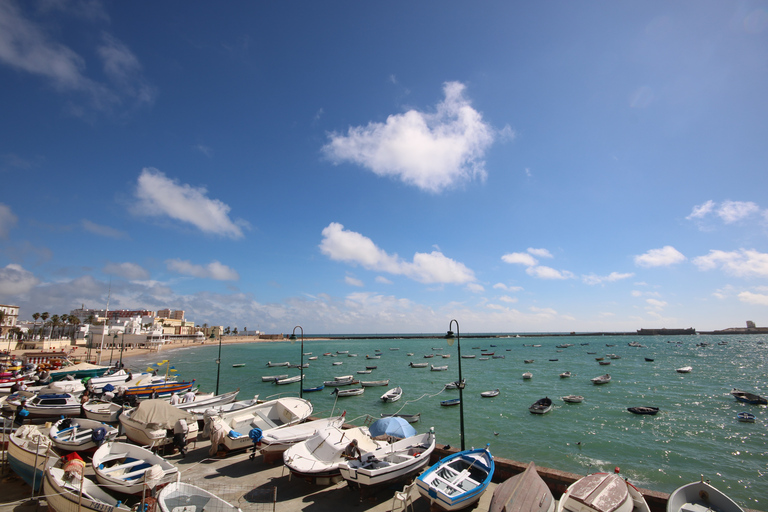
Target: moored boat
490	394
685	369
374	383
393	395
410	418
527	375
650	411
541	406
746	417
316	388
452	401
602	379
289	380
700	496
348	392
457	481
524	492
565	375
572	399
274	365
748	398
418	365
602	492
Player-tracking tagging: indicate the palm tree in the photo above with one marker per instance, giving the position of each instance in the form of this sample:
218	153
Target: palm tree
36	316
91	318
226	331
44	317
54	324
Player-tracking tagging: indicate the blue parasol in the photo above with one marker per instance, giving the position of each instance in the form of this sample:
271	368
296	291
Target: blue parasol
392	426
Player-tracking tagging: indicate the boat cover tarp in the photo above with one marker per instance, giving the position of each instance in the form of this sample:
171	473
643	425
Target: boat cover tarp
160	413
392	426
79	367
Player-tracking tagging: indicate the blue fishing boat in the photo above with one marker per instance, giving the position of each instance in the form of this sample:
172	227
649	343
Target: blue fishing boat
749	398
746	417
452	401
459	480
316	388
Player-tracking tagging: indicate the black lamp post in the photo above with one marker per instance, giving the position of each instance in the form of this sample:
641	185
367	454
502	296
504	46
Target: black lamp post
114	341
122	347
450	338
301	364
218	365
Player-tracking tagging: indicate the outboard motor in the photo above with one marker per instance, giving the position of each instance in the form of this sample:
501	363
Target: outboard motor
255	434
98	435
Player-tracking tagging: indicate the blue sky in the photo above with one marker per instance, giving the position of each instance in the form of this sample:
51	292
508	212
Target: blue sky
362	167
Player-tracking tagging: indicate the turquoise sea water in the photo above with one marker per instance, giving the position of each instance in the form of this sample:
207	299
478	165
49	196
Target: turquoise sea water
695	433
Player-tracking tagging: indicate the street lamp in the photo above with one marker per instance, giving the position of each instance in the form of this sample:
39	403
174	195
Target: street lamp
114	340
450	338
218	365
88	343
301	364
122	347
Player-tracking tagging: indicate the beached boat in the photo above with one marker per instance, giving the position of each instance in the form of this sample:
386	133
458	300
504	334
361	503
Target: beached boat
700	496
101	410
127	468
746	417
49	405
393	395
602	492
277	440
79	371
184	497
63	495
452	401
30	453
410	418
748	398
572	399
348	392
374	383
602	379
391	462
115	378
81	434
650	411
275	365
148	423
685	369
489	394
438	368
541	406
230	430
317	460
316	388
210	401
418	365
527	375
457	481
524	492
240	405
162	389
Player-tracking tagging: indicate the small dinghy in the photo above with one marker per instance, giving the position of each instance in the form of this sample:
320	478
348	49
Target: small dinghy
700	496
565	375
101	410
348	392
418	365
277	440
643	410
490	394
541	406
603	379
316	388
374	383
79	435
238	365
457	481
748	398
30	453
127	468
685	369
527	375
393	395
746	417
452	401
602	492
572	399
649	359
182	497
524	492
65	495
438	368
273	365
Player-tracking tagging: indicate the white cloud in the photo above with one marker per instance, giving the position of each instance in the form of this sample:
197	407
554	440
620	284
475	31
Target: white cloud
26	46
353	281
610	278
475	288
127	270
543	272
7	220
656	304
548	312
98	229
213	270
207	151
508	299
502	286
14	281
741	263
734	211
759	299
160	196
521	258
432	151
383	280
351	247
701	211
541	253
663	257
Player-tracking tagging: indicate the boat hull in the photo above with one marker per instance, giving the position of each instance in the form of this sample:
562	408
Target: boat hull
390	463
123	467
80	438
28	459
457	481
524	492
700	496
180	496
602	492
63	497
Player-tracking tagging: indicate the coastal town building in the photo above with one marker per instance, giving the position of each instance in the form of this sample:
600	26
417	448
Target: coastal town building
9	316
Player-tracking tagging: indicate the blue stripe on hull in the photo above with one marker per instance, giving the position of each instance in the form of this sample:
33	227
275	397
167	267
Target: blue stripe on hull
26	472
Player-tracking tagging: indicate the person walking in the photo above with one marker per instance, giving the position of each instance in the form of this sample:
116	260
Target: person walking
180	430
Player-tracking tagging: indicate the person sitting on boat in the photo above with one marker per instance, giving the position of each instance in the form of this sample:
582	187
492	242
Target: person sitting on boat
21	412
189	396
180	430
352	451
175	399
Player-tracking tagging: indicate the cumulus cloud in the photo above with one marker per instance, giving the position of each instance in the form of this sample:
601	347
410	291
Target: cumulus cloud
475	288
126	270
610	278
741	263
663	257
7	220
507	298
502	286
351	247
15	280
160	196
729	212
534	269
383	280
759	299
352	281
98	229
432	151
520	258
213	270
543	272
656	304
27	46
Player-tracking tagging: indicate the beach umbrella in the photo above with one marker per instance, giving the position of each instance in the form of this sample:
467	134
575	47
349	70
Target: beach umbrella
392	426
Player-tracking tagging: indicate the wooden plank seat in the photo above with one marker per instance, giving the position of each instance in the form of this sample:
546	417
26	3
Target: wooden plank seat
127	465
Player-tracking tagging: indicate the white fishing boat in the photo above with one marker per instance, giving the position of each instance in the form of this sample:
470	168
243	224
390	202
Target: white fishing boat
468	356
273	365
129	468
393	395
602	492
149	422
457	481
572	399
391	462
363	372
101	410
230	431
524	492
348	392
210	401
318	459
374	383
438	368
117	378
63	495
565	375
280	439
527	375
290	380
489	394
418	365
700	497
240	405
79	371
340	381
81	434
185	497
47	405
30	453
685	369
272	378
602	379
